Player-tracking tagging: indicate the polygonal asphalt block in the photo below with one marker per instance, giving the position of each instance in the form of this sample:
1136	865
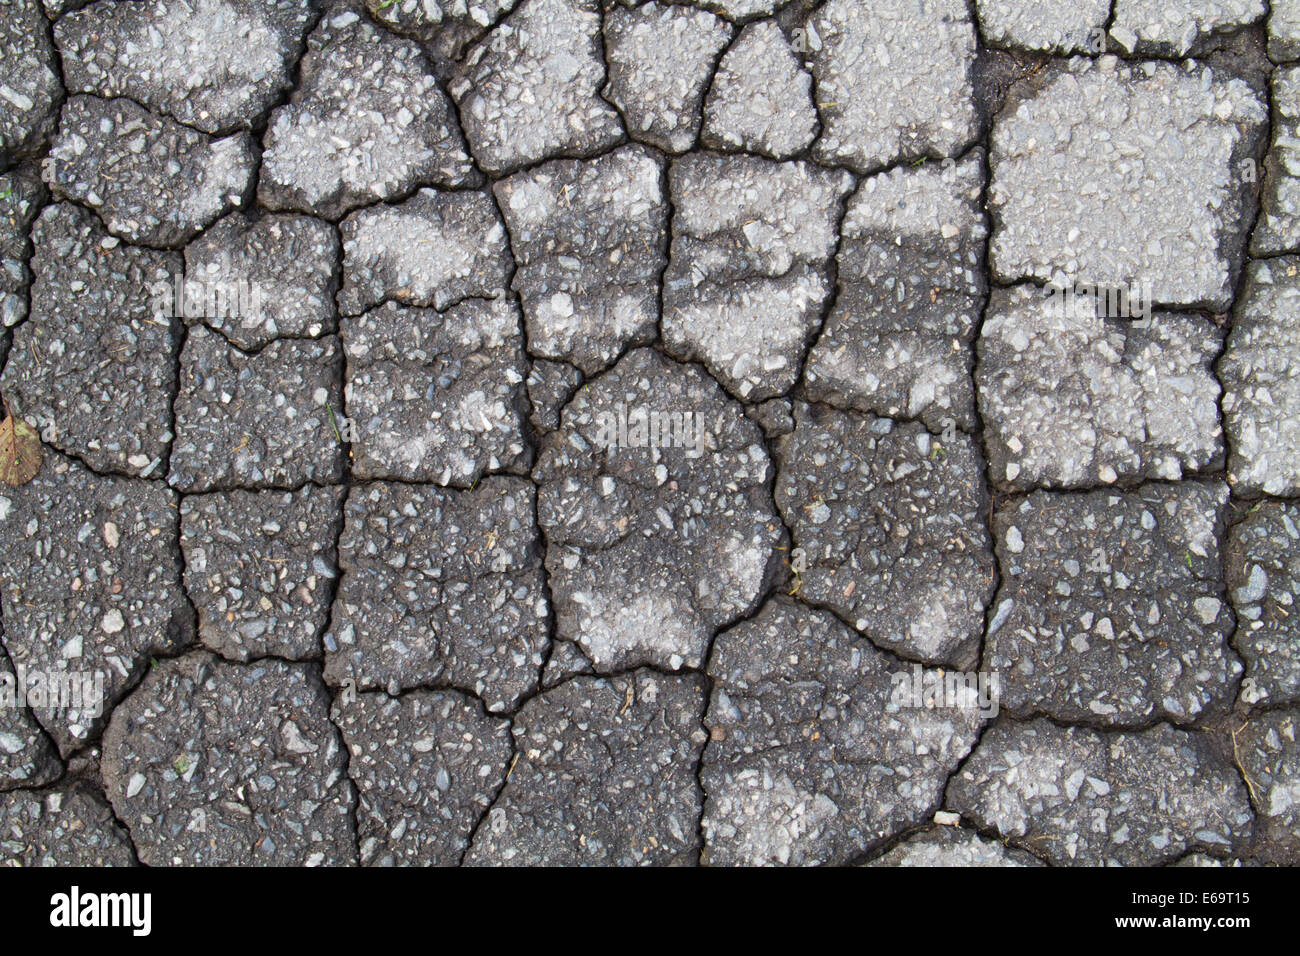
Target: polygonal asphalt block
368	122
30	85
590	239
1278	227
761	97
738	10
605	776
1175	27
661	58
92	588
566	660
812	754
1260	388
426	766
654	502
446	27
21	195
911	284
889	520
1070	203
1268	754
210	763
1084	798
153	181
530	90
440	588
266	420
1284	30
1262	572
747	278
1059	26
94	367
27	757
68	826
1112	607
260	568
436	396
953	847
893	80
775	416
278	274
433	249
550	386
212	64
1073	399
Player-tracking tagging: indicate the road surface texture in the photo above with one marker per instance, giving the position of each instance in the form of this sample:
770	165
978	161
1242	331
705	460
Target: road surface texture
697	432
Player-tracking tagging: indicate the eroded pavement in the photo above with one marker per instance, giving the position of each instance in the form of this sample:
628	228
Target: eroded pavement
598	432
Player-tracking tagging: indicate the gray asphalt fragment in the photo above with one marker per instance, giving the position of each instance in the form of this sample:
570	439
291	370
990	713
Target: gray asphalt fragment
210	763
1112	607
152	180
440	589
1082	798
653	496
811	755
604	776
888	520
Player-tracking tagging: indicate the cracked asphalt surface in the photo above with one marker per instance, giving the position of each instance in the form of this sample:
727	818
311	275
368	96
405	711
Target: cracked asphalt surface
731	432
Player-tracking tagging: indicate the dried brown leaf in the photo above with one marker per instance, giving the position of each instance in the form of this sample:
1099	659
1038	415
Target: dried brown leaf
20	450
